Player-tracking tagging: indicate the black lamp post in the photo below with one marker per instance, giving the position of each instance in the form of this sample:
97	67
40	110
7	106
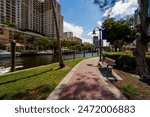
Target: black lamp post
100	48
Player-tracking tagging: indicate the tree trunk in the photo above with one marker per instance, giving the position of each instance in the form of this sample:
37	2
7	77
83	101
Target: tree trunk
116	48
55	50
142	67
61	62
142	40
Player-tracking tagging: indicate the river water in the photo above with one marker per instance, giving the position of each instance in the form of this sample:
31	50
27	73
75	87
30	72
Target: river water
34	61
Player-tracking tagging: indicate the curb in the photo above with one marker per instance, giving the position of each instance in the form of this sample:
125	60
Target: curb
116	75
11	73
112	88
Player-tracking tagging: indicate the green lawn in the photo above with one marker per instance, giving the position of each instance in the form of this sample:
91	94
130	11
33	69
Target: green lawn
36	83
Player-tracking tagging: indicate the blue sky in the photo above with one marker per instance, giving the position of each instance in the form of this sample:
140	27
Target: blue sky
81	16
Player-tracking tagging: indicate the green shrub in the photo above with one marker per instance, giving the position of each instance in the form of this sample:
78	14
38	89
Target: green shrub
124	60
130	90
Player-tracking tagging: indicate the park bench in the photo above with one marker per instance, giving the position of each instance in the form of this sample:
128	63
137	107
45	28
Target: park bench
107	64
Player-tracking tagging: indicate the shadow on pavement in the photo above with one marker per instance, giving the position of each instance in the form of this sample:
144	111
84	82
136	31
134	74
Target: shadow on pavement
86	88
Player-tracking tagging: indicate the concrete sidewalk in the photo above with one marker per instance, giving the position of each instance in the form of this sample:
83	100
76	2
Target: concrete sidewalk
85	82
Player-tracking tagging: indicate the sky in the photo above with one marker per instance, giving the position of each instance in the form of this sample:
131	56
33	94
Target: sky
82	16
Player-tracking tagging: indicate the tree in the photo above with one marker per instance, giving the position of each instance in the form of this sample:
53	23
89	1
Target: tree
61	62
53	46
18	37
142	39
43	43
32	43
120	32
13	25
39	43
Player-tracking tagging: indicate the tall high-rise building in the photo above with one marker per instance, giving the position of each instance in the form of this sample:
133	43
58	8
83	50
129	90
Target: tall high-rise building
10	11
48	18
32	15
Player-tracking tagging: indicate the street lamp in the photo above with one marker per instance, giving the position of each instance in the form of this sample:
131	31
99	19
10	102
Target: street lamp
100	48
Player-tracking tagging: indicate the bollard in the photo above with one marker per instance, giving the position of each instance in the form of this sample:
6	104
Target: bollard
84	54
74	54
13	55
97	52
92	52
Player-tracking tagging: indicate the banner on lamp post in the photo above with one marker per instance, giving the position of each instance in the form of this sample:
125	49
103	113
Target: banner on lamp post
148	8
104	34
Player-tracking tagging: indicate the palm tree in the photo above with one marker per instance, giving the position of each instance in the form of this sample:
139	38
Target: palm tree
58	38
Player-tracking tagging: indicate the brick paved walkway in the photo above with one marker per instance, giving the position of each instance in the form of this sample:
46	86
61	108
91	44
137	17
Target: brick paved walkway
87	84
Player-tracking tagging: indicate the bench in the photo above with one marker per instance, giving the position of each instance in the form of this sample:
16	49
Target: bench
107	64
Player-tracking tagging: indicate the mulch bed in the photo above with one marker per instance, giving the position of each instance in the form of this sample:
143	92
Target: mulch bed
137	90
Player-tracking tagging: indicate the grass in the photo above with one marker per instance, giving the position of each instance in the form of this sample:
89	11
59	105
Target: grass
130	89
35	83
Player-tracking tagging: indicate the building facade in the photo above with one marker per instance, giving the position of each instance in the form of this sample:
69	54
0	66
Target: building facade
10	11
32	15
96	42
68	34
73	39
7	34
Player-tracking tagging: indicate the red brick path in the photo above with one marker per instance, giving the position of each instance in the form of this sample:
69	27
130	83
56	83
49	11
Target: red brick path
86	84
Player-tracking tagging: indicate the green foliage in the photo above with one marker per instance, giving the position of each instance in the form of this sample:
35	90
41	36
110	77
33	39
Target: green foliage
119	32
38	43
125	60
77	46
9	24
130	90
101	3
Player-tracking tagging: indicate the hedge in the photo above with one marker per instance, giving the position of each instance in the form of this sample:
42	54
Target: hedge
125	60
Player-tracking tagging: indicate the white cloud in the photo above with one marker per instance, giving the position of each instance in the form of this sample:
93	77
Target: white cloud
99	23
122	9
78	31
89	33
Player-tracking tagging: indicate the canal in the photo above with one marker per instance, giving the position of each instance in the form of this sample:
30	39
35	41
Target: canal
34	61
